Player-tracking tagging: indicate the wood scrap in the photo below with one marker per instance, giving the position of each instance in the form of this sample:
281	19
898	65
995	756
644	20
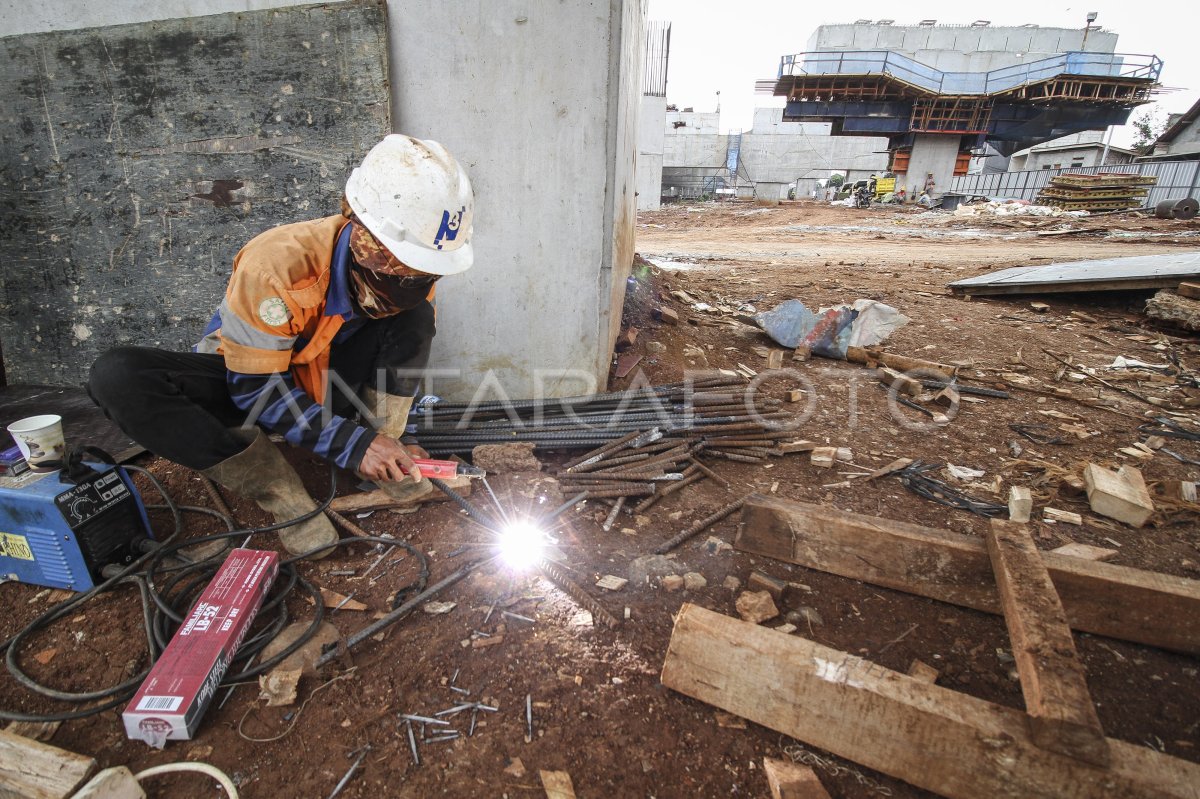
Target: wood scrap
1060	515
1020	503
787	780
891	468
1062	717
902	363
112	783
1076	549
1120	495
922	671
557	784
932	737
380	500
34	730
36	770
1115	601
899	382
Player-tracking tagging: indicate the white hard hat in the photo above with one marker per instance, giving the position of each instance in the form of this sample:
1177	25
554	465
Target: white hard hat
415	198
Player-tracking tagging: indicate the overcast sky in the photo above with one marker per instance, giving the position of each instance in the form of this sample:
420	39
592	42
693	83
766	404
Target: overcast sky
727	46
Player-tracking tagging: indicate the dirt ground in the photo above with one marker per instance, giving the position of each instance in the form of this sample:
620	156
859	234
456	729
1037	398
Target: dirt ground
599	710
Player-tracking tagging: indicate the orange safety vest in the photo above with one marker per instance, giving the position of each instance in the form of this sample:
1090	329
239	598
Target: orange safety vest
273	317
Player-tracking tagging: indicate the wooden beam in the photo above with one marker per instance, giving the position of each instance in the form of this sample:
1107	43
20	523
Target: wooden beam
1062	717
1115	601
932	737
33	770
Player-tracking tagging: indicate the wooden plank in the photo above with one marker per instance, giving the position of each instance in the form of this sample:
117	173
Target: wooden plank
33	770
932	737
1116	601
788	780
1062	717
379	499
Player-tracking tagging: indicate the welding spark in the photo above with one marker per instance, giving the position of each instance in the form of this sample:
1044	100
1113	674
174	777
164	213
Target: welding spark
521	543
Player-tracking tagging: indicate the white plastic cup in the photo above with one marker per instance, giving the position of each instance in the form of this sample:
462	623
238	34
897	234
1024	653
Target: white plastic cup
40	439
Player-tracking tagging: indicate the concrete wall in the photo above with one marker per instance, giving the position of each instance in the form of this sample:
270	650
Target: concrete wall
770	121
651	135
934	153
545	123
772	156
955	48
693	122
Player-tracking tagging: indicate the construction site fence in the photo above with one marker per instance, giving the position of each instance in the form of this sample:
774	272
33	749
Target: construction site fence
1175	180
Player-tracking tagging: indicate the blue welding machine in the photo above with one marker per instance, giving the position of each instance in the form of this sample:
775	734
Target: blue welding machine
60	530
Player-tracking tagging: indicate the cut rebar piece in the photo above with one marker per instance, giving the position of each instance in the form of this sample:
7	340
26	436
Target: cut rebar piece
566	506
733	456
412	743
450	736
458	690
528	717
508	615
474	716
424	719
700	526
349	772
612	516
691	474
574	590
721	481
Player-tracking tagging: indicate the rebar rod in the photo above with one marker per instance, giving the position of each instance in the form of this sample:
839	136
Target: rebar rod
572	589
700	526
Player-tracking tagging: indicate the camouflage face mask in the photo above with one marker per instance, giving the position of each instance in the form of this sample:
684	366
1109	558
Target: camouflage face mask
370	254
378	295
382	284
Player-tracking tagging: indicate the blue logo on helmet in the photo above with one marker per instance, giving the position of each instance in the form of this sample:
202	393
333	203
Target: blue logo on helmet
450	225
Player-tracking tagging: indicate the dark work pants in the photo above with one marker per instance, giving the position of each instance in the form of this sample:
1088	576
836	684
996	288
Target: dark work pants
177	404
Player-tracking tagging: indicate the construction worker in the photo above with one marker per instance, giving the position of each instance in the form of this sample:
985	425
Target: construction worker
320	319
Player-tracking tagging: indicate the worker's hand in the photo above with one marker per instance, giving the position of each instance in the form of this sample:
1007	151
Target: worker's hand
388	460
416	451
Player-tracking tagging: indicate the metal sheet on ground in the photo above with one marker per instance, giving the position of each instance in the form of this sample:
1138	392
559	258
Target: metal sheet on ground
136	160
1107	274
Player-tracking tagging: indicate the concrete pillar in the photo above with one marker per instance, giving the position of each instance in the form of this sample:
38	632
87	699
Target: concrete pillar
652	130
540	103
931	153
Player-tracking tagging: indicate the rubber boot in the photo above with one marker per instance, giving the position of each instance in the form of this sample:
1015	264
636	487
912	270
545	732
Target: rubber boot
261	473
393	411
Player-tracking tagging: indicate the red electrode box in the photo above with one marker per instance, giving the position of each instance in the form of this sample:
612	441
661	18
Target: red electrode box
175	693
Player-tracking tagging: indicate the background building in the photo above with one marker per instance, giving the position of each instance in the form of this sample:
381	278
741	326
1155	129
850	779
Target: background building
1078	149
1181	140
939	92
765	161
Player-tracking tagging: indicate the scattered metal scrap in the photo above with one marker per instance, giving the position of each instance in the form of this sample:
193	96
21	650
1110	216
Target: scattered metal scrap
916	478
